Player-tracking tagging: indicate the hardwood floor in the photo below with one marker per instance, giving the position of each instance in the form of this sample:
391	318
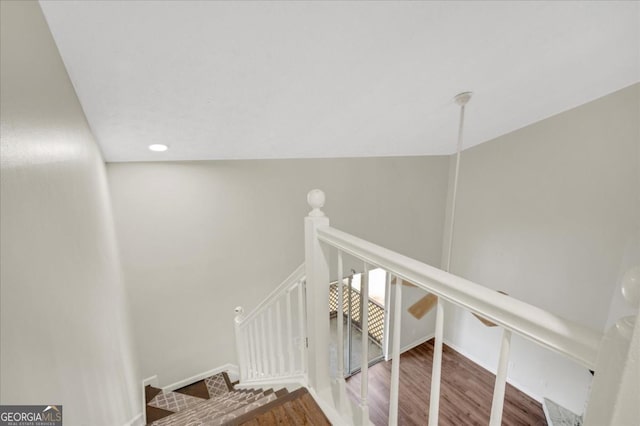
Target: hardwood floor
465	394
294	409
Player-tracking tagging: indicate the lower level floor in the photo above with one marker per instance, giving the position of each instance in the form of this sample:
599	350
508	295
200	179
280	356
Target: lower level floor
465	395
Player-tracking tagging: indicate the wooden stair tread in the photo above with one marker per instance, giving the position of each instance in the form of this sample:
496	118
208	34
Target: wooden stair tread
295	408
197	389
154	414
150	392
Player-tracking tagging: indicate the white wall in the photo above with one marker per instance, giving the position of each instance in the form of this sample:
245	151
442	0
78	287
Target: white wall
63	327
199	238
549	214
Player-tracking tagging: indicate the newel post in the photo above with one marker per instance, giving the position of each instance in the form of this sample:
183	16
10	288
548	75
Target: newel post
317	290
242	355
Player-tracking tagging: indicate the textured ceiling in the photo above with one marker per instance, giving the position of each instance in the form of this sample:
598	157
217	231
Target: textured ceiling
218	80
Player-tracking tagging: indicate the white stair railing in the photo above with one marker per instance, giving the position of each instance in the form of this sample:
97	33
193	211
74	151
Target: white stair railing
572	340
287	336
271	339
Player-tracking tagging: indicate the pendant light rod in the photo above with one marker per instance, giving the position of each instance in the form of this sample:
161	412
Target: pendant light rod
461	99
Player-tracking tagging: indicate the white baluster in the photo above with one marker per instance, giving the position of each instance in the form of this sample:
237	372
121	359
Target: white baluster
279	339
292	364
386	327
434	404
247	350
342	386
263	343
242	355
301	324
340	320
272	343
501	380
317	294
364	362
395	363
254	350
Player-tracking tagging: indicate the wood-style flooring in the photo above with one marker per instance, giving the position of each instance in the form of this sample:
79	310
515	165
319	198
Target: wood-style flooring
465	394
294	409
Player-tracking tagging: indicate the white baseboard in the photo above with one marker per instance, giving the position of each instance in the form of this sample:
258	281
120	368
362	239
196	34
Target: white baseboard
417	342
412	345
232	368
153	381
138	420
234	372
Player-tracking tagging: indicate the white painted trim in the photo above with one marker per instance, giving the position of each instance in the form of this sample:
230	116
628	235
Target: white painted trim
492	370
138	420
200	376
233	372
296	276
272	382
412	345
575	341
153	381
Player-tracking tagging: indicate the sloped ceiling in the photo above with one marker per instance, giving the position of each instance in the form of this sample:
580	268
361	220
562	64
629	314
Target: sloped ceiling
239	80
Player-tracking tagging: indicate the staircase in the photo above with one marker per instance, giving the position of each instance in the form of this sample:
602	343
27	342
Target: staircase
215	401
285	339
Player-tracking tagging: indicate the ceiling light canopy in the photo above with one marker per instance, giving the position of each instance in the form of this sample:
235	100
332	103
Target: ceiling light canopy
158	147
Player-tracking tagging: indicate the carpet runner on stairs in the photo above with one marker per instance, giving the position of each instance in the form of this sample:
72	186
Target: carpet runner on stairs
213	401
162	404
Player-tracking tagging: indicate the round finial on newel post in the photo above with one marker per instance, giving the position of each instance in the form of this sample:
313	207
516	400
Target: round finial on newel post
239	310
316	199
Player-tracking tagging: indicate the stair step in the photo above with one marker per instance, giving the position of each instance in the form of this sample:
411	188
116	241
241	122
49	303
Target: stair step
155	414
214	401
198	389
295	408
213	408
161	404
234	414
150	392
174	401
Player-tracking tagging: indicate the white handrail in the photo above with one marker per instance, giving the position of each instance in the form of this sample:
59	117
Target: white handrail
295	277
300	328
260	343
572	340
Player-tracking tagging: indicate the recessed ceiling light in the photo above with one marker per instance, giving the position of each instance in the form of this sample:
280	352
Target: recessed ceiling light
158	147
